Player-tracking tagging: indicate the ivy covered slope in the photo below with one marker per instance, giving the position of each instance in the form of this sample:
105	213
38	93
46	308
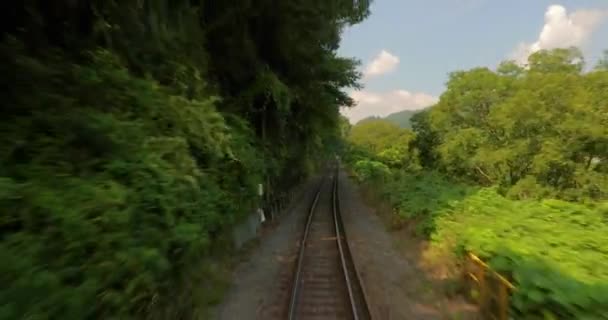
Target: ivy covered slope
511	165
133	135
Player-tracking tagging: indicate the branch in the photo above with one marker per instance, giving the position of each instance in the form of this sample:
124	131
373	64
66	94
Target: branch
484	174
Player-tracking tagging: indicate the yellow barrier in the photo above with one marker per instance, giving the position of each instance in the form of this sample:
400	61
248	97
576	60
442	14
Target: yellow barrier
493	291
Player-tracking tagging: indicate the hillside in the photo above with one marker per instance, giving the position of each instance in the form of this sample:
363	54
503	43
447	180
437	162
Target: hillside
401	118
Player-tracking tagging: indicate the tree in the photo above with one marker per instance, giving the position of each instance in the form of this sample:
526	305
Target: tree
376	135
510	68
568	60
426	140
386	142
540	127
136	133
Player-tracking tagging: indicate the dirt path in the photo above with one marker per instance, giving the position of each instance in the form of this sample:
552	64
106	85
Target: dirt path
396	286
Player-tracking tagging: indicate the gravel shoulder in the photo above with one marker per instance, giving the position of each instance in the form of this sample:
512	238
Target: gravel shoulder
389	263
397	286
261	282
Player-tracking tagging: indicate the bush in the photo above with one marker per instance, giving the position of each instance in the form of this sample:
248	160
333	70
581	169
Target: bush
554	251
424	197
371	171
114	192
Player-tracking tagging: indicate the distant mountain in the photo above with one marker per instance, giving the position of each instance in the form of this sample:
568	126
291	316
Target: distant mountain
401	118
370	118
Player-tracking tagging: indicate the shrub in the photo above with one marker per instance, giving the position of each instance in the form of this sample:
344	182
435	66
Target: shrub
554	251
371	171
114	192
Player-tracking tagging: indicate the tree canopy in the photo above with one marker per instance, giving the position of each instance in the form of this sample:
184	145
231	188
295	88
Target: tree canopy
134	134
515	171
543	128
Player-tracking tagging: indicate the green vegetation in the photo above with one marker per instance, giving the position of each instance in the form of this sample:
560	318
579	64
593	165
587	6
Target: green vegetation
383	141
512	165
554	250
401	118
536	133
134	134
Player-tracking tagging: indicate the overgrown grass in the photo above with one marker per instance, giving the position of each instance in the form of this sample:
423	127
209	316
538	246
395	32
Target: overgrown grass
556	252
424	197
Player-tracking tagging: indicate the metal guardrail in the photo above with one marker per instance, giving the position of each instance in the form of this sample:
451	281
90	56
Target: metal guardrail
493	291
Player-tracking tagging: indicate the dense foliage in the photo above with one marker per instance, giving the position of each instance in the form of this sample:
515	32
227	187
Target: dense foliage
134	134
535	132
553	250
383	141
515	169
400	118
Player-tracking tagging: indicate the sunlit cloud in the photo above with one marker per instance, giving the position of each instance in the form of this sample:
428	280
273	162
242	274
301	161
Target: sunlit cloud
562	30
383	63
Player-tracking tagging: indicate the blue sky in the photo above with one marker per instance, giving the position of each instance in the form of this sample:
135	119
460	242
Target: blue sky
431	38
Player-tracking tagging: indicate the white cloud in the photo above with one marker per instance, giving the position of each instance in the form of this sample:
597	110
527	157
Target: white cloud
384	103
384	62
562	30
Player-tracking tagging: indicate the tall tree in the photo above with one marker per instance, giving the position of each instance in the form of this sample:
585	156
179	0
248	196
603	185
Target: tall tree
544	124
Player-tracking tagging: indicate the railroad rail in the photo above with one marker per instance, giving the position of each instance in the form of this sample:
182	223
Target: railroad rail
326	284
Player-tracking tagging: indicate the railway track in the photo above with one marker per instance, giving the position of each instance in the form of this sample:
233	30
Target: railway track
326	284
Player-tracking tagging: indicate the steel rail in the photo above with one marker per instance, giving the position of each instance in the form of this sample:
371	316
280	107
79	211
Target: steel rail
345	272
363	307
351	275
296	284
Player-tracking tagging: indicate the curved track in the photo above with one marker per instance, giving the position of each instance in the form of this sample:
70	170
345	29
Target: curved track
326	284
